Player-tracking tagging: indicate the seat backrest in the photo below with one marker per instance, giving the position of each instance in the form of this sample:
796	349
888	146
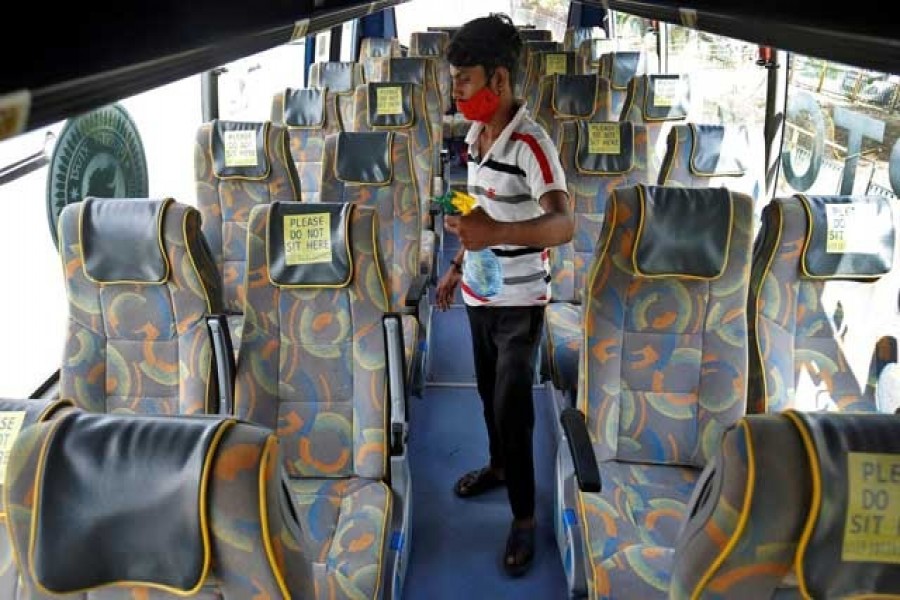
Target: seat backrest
575	36
699	155
215	522
529	47
597	157
657	101
795	505
140	283
590	51
312	360
433	45
620	68
237	166
341	79
542	65
663	371
309	115
375	169
15	416
401	107
371	48
565	98
814	289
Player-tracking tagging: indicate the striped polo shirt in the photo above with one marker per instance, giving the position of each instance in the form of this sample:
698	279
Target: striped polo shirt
507	182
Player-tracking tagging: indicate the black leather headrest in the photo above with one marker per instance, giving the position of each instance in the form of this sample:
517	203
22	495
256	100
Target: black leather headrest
625	66
849	237
390	105
605	148
575	96
336	76
408	70
666	97
683	232
364	157
529	35
130	492
122	240
308	245
239	149
850	542
534	46
432	43
304	108
719	151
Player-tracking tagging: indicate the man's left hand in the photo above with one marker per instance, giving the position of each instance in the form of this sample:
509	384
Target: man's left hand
476	230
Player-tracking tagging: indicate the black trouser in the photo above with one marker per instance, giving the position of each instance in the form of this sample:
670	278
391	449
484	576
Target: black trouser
505	342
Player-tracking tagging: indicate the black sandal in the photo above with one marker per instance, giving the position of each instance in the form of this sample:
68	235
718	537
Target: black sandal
477	482
519	551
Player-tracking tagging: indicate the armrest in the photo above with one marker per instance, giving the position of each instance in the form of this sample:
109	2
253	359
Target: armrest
414	294
586	470
223	355
396	369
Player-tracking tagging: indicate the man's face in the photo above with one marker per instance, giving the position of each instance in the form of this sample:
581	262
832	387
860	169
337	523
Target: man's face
467	81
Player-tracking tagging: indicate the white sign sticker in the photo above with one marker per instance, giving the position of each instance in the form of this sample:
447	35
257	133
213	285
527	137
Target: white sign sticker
555	63
240	149
604	138
10	426
307	239
850	227
389	100
666	91
872	529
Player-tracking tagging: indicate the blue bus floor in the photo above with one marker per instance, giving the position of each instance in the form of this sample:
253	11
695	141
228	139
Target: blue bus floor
457	544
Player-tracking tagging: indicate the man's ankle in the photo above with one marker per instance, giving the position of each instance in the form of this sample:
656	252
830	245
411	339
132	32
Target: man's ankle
527	523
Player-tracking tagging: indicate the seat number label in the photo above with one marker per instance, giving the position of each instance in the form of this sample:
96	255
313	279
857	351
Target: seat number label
872	530
307	239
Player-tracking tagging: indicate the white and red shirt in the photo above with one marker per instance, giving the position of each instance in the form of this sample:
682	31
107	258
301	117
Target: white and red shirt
508	182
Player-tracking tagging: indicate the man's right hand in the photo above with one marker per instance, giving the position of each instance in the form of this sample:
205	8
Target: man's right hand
447	287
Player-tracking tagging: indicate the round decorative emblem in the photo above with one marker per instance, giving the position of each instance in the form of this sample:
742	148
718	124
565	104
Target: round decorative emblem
98	154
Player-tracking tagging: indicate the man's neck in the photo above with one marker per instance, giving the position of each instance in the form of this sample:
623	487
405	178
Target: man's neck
505	113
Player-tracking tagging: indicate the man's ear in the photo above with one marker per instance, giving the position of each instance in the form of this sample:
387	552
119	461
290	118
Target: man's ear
500	80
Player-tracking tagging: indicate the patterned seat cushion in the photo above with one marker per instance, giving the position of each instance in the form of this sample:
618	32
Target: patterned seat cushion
563	340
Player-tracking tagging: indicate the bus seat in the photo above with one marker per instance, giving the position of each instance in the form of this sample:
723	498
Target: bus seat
591	178
433	45
313	369
662	376
528	48
234	175
572	97
375	110
621	67
308	115
784	510
657	101
340	78
542	65
575	36
713	156
136	506
535	35
15	416
811	301
140	283
376	48
375	169
590	51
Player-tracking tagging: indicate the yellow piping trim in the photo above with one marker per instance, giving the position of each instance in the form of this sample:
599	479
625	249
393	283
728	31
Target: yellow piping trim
190	254
583	171
762	281
287	161
387	302
390	177
262	177
815	504
271	441
742	518
52	408
694	171
319	125
674	158
307	286
160	218
637	239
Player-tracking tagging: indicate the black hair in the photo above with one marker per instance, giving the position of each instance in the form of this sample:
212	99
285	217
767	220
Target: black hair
491	42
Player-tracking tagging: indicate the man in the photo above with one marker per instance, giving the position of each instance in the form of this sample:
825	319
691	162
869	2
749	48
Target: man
523	208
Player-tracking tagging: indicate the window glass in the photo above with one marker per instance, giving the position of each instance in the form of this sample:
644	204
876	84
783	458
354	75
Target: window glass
247	86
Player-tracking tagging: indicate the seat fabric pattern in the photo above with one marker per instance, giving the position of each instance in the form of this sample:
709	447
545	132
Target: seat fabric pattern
341	79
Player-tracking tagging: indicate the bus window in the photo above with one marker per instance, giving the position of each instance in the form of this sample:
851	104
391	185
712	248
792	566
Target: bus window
347	37
247	85
637	33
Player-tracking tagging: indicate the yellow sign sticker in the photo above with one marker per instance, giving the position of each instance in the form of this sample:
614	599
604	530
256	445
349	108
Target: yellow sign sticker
872	531
14	109
604	138
850	228
666	91
240	149
555	63
307	239
10	426
389	100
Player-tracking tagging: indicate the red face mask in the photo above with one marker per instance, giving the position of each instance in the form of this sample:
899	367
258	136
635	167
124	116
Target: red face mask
480	107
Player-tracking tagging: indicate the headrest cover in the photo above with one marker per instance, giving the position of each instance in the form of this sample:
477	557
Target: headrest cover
432	43
239	149
666	97
378	46
575	96
122	240
683	232
625	66
140	485
364	157
850	544
390	105
304	108
541	46
336	76
541	35
719	151
849	237
605	148
308	245
408	70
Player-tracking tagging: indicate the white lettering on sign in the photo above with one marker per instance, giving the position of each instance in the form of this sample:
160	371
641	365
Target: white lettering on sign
240	149
307	239
10	426
872	530
850	228
666	91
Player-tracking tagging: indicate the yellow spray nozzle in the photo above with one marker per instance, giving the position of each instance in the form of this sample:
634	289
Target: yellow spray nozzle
462	202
